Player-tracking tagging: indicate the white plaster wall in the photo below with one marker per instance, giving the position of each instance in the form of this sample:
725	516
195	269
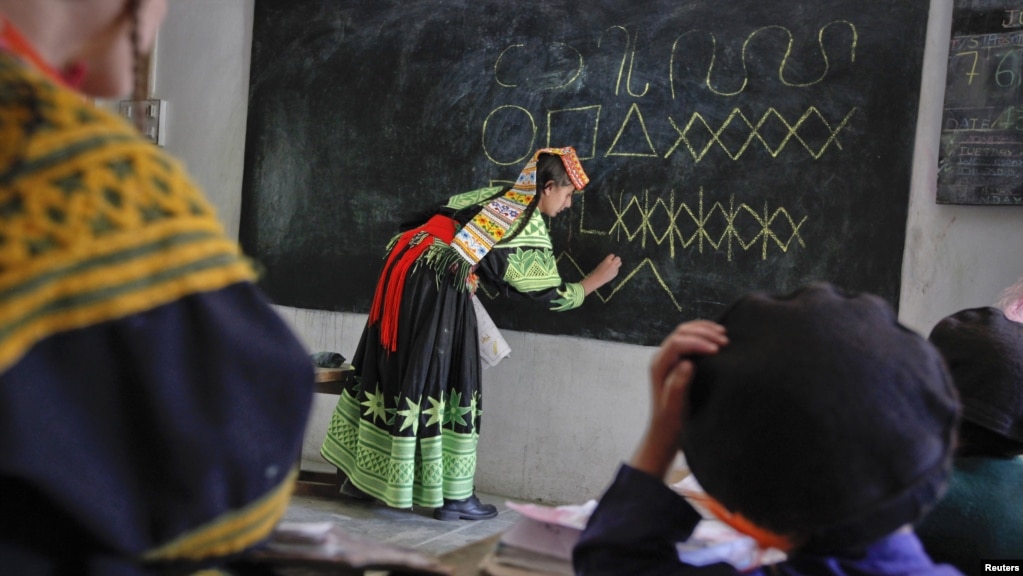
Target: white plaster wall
202	71
561	412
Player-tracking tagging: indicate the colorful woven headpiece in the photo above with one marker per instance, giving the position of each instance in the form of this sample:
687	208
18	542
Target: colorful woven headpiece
526	182
487	228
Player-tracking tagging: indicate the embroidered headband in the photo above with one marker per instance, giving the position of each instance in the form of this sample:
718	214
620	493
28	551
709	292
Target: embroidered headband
526	182
487	228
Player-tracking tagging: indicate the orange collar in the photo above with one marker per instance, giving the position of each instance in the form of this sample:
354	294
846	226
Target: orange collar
764	537
13	41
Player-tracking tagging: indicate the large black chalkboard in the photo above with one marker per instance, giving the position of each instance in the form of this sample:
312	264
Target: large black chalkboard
731	145
981	159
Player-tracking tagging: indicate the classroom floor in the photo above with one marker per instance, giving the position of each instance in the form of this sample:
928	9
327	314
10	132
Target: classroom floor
416	528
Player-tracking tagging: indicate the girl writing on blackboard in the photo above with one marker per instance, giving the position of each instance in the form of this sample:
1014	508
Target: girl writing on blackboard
405	431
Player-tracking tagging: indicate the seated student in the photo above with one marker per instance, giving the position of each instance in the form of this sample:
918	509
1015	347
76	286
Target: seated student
152	403
816	424
981	516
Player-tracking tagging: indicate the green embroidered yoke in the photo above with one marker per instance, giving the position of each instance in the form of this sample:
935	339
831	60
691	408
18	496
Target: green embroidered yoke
526	264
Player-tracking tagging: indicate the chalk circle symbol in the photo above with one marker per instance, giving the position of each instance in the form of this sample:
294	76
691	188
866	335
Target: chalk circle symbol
501	127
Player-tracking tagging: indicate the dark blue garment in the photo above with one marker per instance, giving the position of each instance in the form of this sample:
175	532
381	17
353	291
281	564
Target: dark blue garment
121	436
639	520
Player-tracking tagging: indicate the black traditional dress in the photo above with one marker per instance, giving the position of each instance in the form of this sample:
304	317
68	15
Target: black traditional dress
406	430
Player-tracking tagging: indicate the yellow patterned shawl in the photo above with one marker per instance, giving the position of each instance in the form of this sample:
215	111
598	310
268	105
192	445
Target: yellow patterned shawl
95	223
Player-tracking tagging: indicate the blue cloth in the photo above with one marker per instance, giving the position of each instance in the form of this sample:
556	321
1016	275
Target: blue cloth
639	520
328	360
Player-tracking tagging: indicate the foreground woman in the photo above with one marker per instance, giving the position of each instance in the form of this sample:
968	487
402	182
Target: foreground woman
405	432
152	402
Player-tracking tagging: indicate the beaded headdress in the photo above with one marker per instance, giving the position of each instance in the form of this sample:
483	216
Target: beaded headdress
488	227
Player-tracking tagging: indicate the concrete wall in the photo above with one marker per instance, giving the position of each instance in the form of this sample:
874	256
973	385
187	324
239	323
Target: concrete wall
202	71
561	412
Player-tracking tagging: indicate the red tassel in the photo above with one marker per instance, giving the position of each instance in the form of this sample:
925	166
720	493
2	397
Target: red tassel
387	297
378	294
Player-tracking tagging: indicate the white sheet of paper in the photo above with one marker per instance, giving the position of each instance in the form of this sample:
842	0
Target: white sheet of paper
493	347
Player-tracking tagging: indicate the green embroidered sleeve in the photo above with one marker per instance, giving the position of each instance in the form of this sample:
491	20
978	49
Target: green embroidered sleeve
570	296
526	265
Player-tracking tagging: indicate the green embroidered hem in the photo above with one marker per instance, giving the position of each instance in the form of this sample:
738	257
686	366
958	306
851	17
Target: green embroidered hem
392	468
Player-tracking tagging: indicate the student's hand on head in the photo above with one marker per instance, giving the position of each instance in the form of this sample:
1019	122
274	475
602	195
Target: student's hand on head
671	371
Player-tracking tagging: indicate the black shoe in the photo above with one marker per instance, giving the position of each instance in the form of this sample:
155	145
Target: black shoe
352	491
468	509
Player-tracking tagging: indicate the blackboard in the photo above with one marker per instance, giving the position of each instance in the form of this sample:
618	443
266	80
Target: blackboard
732	146
981	157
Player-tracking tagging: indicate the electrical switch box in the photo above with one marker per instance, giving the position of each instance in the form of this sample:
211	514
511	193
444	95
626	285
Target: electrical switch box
153	120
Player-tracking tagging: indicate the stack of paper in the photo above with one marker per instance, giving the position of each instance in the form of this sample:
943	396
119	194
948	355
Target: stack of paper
540	543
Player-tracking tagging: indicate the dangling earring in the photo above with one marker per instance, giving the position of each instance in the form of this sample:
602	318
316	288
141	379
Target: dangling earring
139	88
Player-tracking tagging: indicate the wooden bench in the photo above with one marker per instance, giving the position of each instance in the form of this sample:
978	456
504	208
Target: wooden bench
332	380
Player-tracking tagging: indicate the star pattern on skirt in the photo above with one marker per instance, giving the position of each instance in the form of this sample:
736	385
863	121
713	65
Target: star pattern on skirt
454	411
436	410
475	409
411	417
374	404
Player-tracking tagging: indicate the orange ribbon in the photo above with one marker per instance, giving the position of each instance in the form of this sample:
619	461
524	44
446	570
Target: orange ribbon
764	537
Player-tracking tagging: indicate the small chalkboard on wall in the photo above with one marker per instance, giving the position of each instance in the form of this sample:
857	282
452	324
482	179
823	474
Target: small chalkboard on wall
981	157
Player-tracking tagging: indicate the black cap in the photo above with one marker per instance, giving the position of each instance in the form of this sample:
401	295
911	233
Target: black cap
984	351
823	418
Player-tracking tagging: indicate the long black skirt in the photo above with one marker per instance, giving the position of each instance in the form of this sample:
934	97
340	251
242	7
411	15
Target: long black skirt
406	430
